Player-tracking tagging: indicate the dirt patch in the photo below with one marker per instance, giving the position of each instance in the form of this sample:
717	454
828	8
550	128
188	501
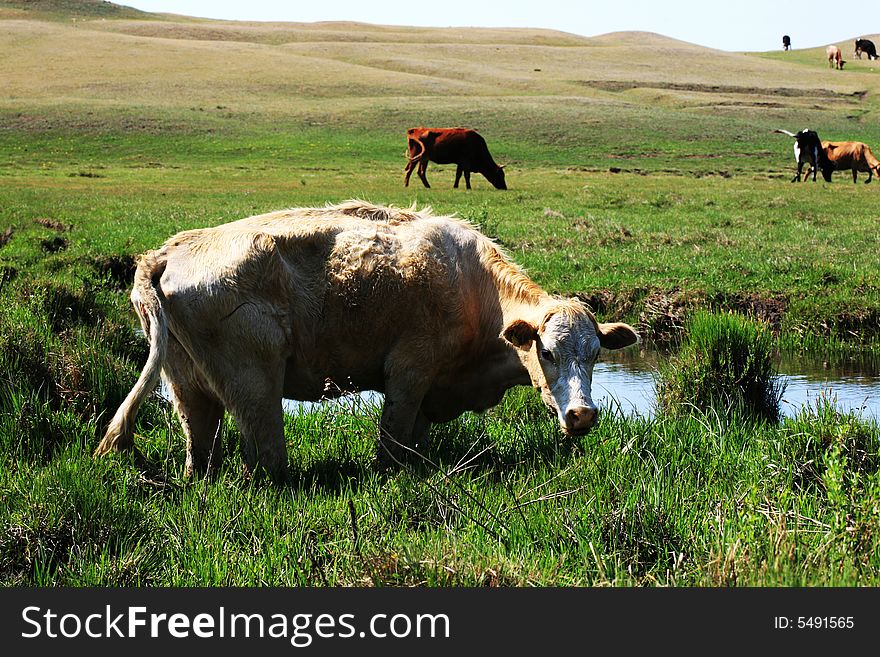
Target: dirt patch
7	274
612	306
669	172
85	174
117	269
5	236
769	309
662	313
863	323
787	92
54	244
52	224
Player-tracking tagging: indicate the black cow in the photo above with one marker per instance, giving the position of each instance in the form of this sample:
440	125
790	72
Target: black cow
786	42
866	46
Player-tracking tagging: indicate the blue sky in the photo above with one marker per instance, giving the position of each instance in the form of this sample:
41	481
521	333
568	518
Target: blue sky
737	25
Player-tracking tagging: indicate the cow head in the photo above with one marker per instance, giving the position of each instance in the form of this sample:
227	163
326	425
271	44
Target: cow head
560	353
497	178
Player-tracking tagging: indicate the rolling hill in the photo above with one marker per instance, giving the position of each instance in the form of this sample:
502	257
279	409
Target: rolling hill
85	65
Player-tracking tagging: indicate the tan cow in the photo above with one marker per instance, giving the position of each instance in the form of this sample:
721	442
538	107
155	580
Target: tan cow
301	303
835	59
852	155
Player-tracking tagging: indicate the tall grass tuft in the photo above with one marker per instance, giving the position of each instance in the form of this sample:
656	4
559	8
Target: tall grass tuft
725	364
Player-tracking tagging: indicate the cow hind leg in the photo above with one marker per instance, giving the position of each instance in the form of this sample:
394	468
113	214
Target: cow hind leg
458	171
199	411
408	171
201	417
422	171
467	179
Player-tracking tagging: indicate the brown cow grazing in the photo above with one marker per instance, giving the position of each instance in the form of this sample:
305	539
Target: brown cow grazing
853	155
304	303
834	57
460	146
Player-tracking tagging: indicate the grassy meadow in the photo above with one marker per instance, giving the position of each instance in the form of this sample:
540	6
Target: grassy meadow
647	181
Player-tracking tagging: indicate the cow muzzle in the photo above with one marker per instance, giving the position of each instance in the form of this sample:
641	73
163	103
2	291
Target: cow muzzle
579	420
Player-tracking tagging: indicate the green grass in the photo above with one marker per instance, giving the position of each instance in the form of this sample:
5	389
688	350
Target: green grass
725	365
100	162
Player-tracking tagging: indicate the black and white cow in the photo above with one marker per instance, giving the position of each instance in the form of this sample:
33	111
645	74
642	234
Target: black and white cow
808	150
866	46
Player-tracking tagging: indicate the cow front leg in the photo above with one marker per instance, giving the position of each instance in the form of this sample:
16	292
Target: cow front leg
401	428
421	429
262	439
855	174
399	414
423	169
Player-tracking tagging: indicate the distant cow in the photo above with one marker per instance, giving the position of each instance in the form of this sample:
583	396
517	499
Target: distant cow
835	59
786	42
306	303
852	155
866	46
460	146
808	150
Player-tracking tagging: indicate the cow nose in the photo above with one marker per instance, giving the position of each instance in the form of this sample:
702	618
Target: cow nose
580	418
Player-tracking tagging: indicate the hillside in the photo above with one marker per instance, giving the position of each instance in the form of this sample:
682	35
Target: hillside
170	60
69	9
92	67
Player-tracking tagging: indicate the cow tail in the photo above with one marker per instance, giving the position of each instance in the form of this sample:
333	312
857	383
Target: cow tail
412	158
147	299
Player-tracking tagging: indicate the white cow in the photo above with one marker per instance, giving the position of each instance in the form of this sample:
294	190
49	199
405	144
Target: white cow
305	302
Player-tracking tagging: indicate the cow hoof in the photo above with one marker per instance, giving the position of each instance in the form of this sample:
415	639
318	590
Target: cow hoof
389	457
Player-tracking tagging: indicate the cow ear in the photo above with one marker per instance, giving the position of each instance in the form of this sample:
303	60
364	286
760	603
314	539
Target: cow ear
617	335
520	333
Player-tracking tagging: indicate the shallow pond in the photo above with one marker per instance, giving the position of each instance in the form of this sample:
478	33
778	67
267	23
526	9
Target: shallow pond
624	383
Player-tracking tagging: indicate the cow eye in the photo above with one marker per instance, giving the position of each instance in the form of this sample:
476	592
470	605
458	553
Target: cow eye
547	355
